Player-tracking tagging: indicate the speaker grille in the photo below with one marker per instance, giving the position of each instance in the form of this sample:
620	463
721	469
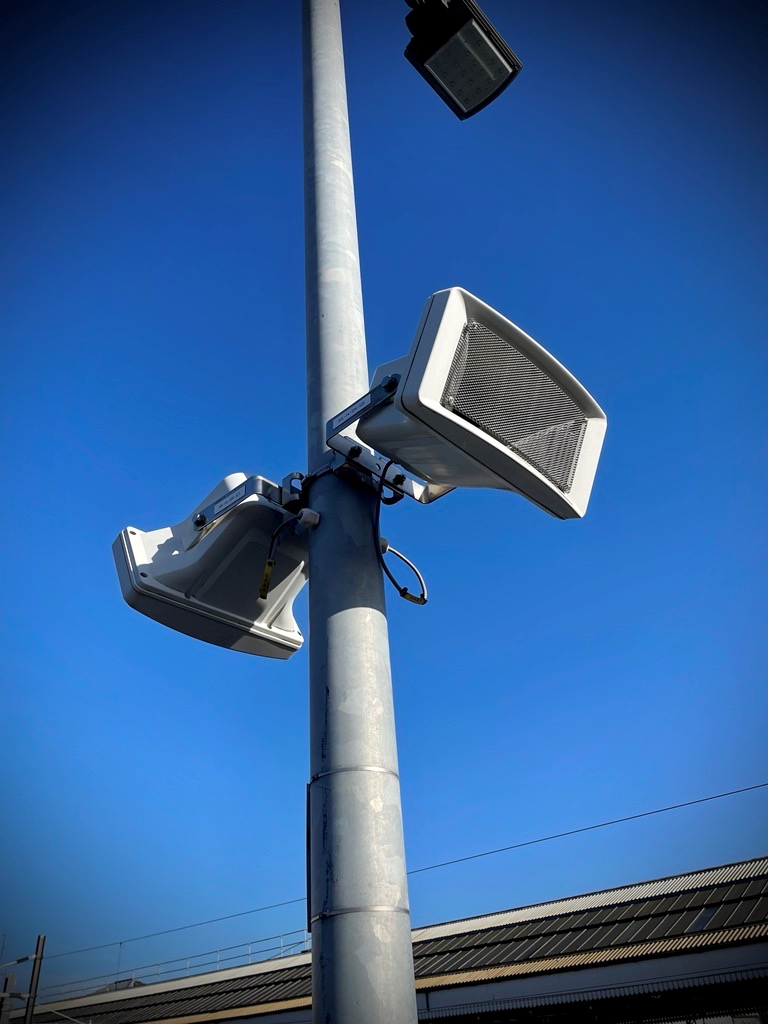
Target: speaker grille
497	388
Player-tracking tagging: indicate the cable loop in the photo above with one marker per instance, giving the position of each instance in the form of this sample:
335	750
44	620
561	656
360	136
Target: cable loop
402	591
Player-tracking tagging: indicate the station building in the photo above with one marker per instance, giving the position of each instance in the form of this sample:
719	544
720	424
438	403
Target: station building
691	947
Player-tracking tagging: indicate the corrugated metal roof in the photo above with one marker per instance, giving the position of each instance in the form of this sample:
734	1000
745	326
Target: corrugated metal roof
590	958
749	869
639	922
648	920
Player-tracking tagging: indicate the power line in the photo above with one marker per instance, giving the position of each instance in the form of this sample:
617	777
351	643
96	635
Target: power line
156	970
587	828
433	867
196	956
181	928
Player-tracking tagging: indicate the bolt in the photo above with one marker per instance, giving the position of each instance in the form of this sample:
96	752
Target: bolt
200	520
354	451
390	383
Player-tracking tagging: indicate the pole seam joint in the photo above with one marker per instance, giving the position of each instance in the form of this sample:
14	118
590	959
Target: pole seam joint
354	768
359	910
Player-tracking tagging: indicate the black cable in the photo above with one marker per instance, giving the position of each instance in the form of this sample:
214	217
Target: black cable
181	928
402	591
412	567
277	536
277	533
195	956
433	867
588	828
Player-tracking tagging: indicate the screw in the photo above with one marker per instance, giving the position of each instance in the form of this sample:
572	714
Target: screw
354	451
200	520
390	383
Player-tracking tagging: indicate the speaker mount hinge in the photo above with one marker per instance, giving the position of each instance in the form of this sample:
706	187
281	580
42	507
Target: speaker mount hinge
355	452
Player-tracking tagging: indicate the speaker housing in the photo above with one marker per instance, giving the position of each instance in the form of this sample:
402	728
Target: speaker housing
481	404
205	581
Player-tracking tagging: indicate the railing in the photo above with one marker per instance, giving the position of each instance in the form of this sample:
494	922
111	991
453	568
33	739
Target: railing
256	951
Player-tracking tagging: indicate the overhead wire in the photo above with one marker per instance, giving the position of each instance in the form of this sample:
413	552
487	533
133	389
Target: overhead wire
149	969
434	867
586	828
180	928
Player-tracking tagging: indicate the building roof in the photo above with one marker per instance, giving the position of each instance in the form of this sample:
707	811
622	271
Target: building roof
716	909
684	912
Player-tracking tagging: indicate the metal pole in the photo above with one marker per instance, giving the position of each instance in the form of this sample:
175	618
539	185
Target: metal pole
32	997
5	1007
362	960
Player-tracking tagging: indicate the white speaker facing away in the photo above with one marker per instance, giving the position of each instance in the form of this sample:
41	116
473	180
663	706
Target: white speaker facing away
479	403
201	577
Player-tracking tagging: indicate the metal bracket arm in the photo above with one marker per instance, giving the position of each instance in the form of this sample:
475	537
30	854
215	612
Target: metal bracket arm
365	458
253	485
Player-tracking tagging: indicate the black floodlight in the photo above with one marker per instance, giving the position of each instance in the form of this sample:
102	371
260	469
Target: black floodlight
459	52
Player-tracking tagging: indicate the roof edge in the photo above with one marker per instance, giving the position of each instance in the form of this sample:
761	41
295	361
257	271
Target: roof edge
628	893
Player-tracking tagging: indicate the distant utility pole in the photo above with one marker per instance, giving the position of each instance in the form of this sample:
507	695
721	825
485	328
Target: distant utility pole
36	966
9	983
362	958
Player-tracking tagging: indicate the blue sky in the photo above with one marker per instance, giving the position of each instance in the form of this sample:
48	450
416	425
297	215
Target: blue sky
612	204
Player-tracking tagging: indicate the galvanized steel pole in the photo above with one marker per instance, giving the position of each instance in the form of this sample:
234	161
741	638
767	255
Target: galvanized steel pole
362	963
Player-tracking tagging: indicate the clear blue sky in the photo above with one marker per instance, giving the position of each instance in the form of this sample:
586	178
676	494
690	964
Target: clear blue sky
612	203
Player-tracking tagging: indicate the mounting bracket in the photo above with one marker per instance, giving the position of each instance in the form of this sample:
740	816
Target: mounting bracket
355	452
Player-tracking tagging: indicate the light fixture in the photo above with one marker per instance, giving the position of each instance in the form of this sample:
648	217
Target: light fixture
459	53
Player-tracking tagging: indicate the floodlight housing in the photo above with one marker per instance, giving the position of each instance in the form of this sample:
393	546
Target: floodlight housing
459	53
201	577
479	403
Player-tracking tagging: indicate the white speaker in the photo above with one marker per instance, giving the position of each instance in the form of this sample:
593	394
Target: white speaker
479	403
202	576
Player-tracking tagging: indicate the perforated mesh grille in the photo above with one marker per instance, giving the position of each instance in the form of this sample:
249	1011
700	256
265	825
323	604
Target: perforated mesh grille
500	390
